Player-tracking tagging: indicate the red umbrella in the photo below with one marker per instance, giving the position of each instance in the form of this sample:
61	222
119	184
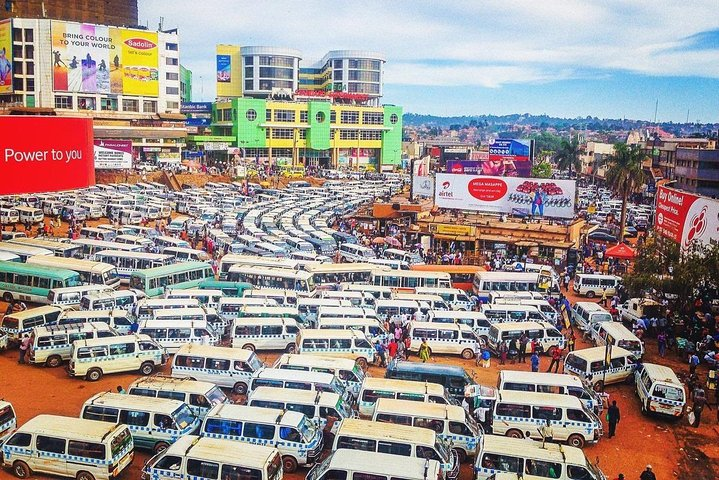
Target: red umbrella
622	251
392	241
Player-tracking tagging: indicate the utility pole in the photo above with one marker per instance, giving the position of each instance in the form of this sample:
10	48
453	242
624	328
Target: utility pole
656	108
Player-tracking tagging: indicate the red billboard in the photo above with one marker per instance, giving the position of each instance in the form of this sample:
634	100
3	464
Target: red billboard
686	218
43	154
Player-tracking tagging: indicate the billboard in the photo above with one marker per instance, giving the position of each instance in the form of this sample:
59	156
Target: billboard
523	196
509	157
5	56
685	218
224	67
196	107
468	167
44	154
113	154
89	58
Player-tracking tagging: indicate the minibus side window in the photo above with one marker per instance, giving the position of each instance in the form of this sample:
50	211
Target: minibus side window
617	362
391	418
428	453
103	414
171	395
202	469
224	427
373	395
432	424
143	392
578	392
217	364
576	415
458	428
547	413
308	410
578	473
436	399
597	366
169	462
122	348
543	469
86	449
513	410
549	389
267	404
19	440
139	419
50	444
505	463
356	444
233	472
258	430
394	448
519	387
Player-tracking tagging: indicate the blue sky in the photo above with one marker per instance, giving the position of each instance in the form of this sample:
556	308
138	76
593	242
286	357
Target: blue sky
570	58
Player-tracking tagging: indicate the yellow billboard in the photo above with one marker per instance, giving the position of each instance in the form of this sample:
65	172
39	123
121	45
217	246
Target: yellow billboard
140	75
5	56
229	71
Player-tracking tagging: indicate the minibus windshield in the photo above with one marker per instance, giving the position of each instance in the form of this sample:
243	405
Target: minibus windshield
120	441
183	416
307	429
216	396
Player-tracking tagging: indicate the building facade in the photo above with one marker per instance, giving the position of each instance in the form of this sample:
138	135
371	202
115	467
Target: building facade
127	80
352	71
185	84
106	12
697	171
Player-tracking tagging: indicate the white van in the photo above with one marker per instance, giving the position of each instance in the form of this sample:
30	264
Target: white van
346	312
51	345
300	380
292	433
529	459
593	285
144	242
351	252
456	298
589	313
225	367
379	292
130	217
523	414
9	216
72	296
265	333
371	327
336	343
94	233
30	215
184	254
201	457
616	334
68	447
284	298
542	305
120	320
477	321
447	338
172	333
145	308
164	241
109	300
155	423
308	307
404	256
451	422
200	396
545	334
557	383
355	299
497	312
399	440
397	310
374	388
659	390
8	420
358	465
589	364
18	324
95	357
434	301
346	370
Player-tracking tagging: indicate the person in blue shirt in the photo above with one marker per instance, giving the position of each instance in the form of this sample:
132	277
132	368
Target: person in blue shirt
379	348
534	361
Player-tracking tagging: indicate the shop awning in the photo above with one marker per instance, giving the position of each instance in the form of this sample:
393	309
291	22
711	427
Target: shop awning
622	251
172	116
526	243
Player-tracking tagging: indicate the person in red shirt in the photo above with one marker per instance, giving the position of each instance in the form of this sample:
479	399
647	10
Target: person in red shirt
392	348
556	359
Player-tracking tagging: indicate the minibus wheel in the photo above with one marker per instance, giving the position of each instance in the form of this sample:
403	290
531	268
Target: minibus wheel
467	354
84	476
249	346
291	348
599	386
160	447
54	361
590	294
362	362
21	470
289	464
147	368
240	388
461	455
514	433
575	440
94	374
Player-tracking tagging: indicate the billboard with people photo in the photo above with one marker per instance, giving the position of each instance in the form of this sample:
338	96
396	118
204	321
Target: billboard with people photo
509	157
5	56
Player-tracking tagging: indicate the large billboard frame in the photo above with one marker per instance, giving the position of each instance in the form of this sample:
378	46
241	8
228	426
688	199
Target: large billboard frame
6	67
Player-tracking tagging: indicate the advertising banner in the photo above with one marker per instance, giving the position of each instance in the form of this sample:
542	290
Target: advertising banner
686	218
508	157
89	58
523	196
197	122
113	154
196	107
224	68
423	186
5	56
449	229
44	154
464	167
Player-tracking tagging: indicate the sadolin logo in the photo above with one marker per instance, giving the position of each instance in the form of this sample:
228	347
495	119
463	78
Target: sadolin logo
140	43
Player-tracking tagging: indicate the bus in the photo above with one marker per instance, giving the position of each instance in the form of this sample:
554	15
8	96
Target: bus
58	248
231	259
154	281
461	276
408	280
91	273
328	276
32	283
128	262
24	251
484	282
91	247
265	277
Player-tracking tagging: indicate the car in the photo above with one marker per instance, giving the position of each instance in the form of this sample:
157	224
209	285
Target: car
630	232
602	237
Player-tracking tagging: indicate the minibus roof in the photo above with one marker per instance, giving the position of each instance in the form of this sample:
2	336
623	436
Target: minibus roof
34	312
457	314
195	349
503	326
593	354
264	321
222	451
661	373
294	375
138	402
591	306
366	428
273	416
70	328
294	395
314	361
410	407
385	464
64	427
117	312
539	378
313	333
98	342
409	386
539	399
444	326
532	449
161	302
171	312
618	331
184	384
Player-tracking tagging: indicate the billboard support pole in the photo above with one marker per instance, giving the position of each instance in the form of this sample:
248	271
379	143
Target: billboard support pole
411	179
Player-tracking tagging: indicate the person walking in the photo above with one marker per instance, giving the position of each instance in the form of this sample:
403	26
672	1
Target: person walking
24	346
648	474
534	361
513	350
401	353
424	351
392	349
486	356
662	343
556	360
572	340
613	416
700	401
546	432
693	362
523	340
503	348
620	477
604	297
477	353
381	354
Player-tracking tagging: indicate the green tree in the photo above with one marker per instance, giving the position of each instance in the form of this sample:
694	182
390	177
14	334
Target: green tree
567	156
625	176
542	170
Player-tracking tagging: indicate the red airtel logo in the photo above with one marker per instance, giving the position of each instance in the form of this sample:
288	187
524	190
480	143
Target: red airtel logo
140	43
487	189
698	225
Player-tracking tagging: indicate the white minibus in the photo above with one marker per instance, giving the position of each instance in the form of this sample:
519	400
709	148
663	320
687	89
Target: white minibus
617	335
447	338
659	390
371	327
377	291
545	334
557	383
183	254
20	323
350	252
477	321
95	357
434	301
374	388
346	464
350	344
109	300
585	314
200	396
593	285
207	297
30	215
456	298
398	310
497	312
92	273
265	333
145	308
284	298
308	307
589	364
174	331
542	305
346	370
300	380
118	319
51	345
72	296
403	256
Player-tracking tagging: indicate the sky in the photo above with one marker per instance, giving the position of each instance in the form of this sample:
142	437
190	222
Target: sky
566	58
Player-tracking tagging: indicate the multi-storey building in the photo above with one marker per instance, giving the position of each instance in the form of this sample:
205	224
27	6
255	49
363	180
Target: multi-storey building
185	84
352	71
106	12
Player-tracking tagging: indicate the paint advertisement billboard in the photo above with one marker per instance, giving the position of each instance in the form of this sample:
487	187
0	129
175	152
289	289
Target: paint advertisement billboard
224	67
89	58
686	218
509	157
516	195
113	154
5	56
45	154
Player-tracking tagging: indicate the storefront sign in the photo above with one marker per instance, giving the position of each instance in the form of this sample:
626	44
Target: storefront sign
44	154
151	149
448	229
113	154
196	107
216	146
686	218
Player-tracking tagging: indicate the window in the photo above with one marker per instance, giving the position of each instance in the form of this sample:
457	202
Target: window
348	116
258	430
29	51
86	449
29	84
333	117
617	363
172	105
356	444
249	85
122	348
432	424
393	119
29	68
28	34
337	75
272	330
578	473
428	453
86	103
130	105
172	90
139	419
223	427
459	428
547	413
19	440
545	469
234	472
108	104
249	60
171	46
172	76
597	366
99	413
577	415
202	468
513	410
149	106
284	115
394	448
447	334
505	463
172	61
169	462
172	395
217	364
251	115
50	444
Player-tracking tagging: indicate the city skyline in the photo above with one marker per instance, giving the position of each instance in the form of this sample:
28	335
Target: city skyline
561	58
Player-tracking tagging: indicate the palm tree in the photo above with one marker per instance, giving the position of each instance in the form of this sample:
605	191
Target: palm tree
567	156
625	175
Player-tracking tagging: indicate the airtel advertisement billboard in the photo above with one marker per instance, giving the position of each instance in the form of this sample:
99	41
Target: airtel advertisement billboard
686	218
515	195
44	154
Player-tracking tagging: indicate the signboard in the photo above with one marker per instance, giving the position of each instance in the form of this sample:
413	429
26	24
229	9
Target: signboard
214	146
469	167
113	154
423	186
91	58
168	157
44	154
224	67
685	218
509	157
526	196
5	56
197	122
196	107
448	229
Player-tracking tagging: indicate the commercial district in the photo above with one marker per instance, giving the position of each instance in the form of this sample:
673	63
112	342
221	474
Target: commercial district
300	280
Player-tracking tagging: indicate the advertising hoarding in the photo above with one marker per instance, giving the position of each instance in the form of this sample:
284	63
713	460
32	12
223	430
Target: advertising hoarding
113	154
685	218
524	196
44	154
423	186
509	157
465	167
89	58
224	68
5	56
196	107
